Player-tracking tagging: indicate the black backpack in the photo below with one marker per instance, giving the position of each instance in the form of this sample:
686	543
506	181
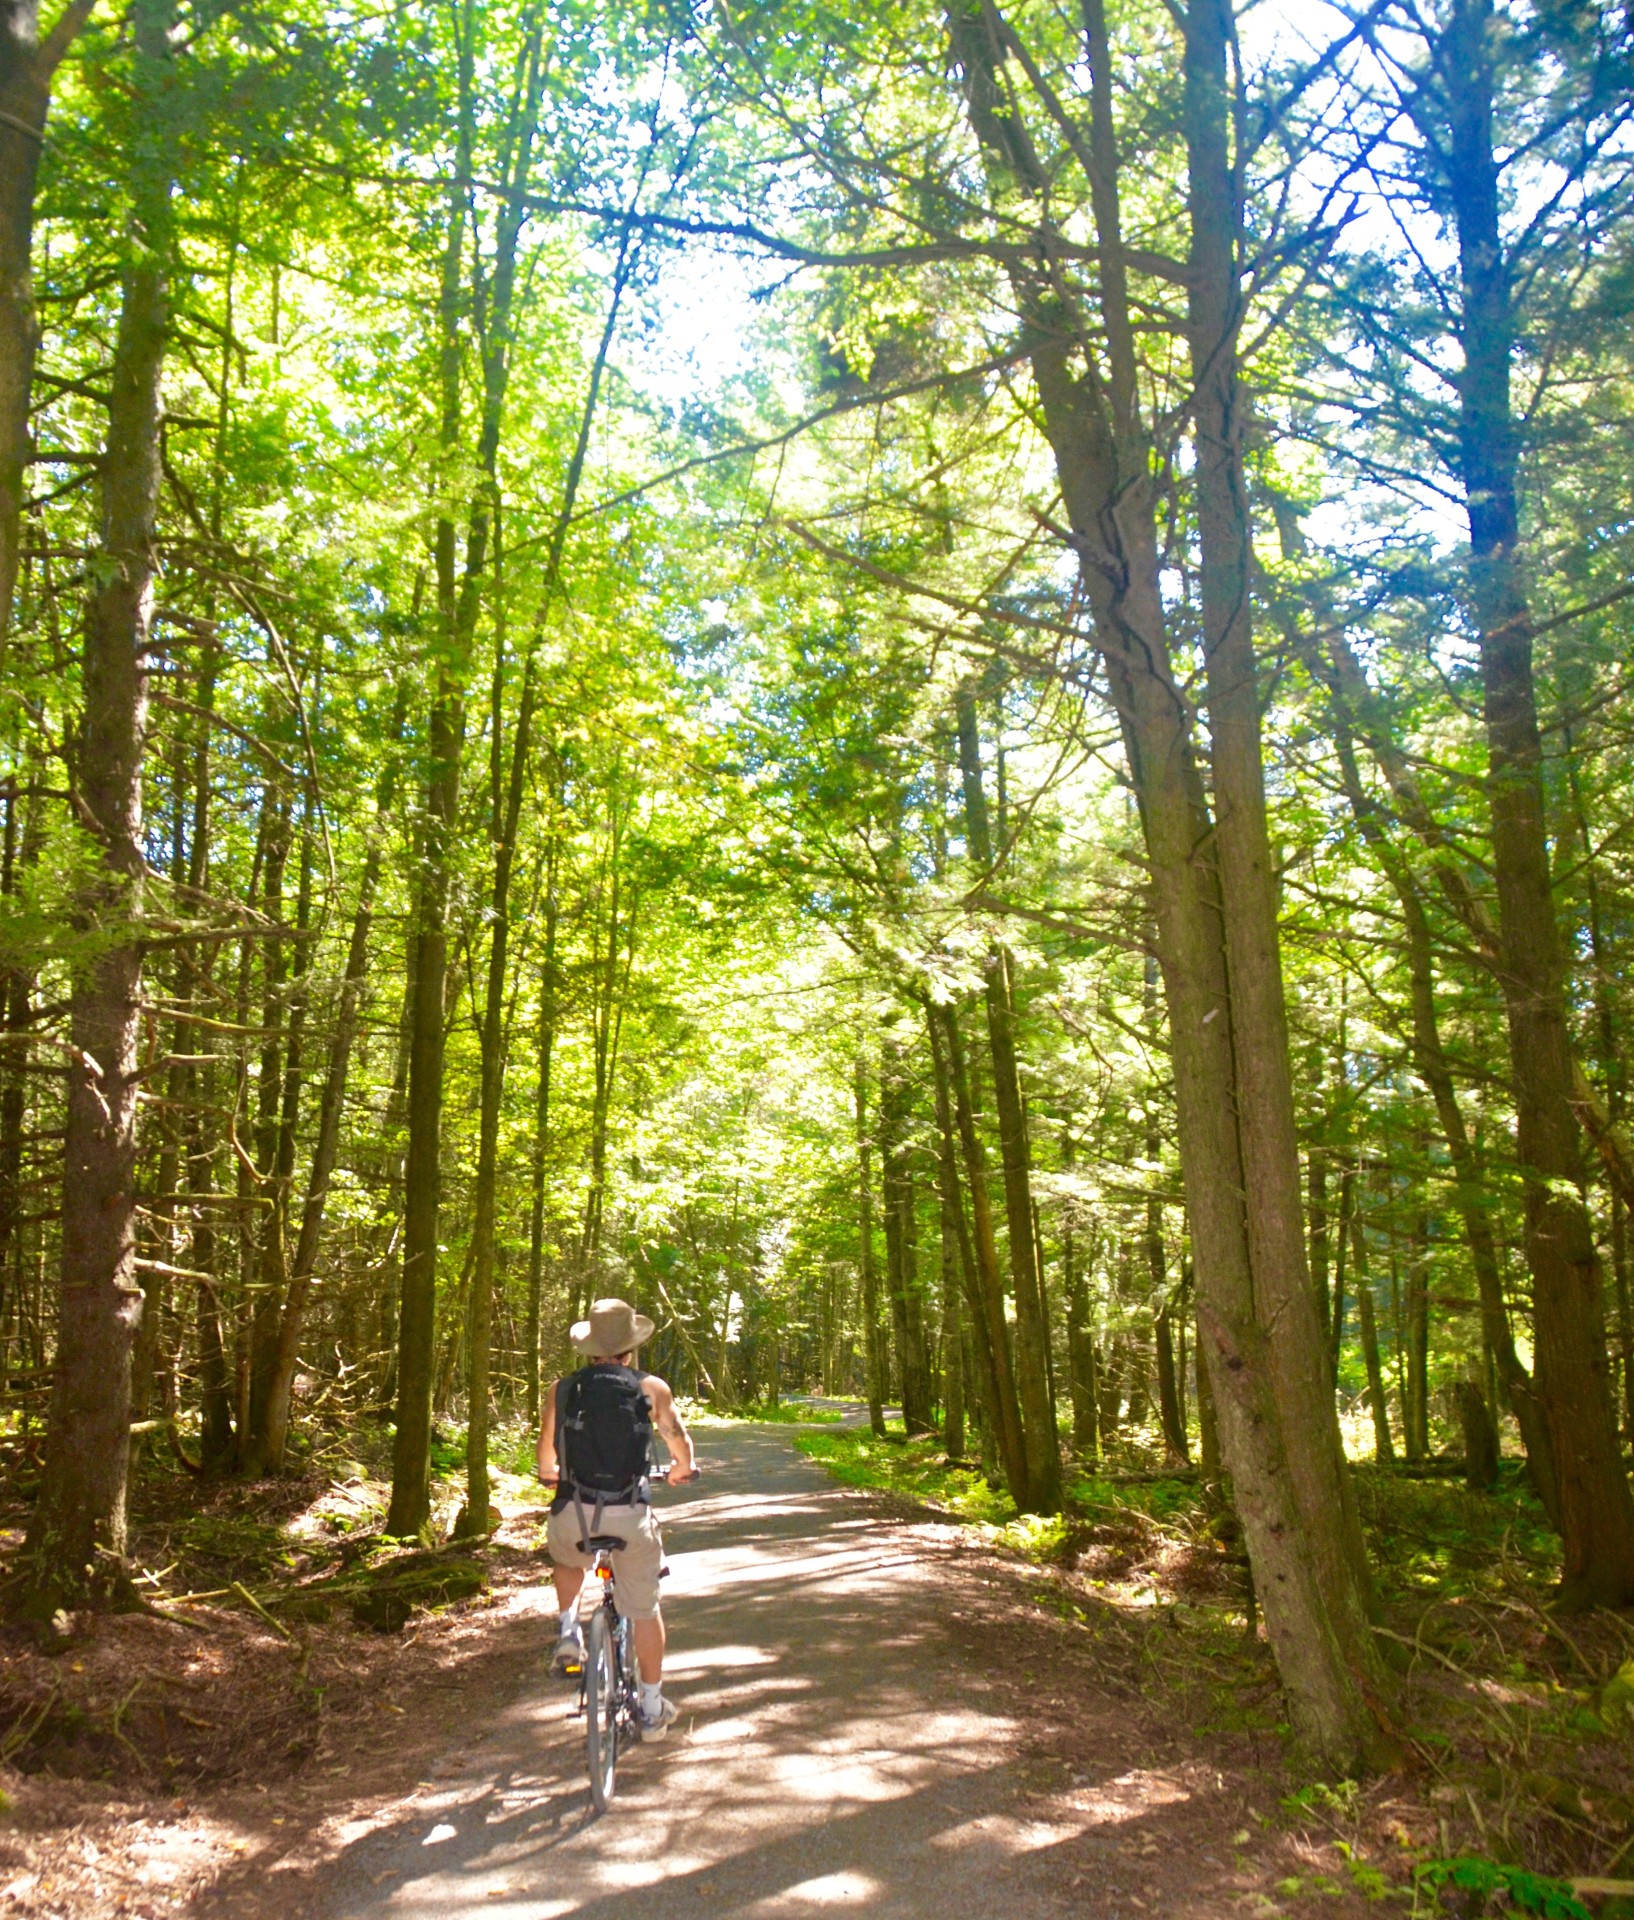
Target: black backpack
603	1426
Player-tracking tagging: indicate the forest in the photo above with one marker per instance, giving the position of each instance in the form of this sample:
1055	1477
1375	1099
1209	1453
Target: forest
939	689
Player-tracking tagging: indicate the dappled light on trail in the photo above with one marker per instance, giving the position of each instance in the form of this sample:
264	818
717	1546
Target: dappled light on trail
834	1750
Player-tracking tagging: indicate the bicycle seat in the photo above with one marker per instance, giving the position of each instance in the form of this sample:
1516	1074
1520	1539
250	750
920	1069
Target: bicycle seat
601	1543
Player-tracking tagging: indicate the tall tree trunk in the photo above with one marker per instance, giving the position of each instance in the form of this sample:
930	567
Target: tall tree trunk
1081	1355
1625	1307
891	1157
1279	1439
901	1261
541	1130
410	1507
917	1382
1430	1059
1168	1388
217	1440
873	1356
1157	1276
1080	1339
16	1000
1263	1071
1611	1070
1208	1425
1378	1402
953	1367
145	1353
509	793
1417	1304
985	1287
1041	1443
995	1390
282	1073
263	1451
76	1536
27	67
606	1025
1316	1211
1334	1310
1596	1506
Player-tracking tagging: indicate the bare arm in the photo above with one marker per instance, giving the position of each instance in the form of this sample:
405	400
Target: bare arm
683	1461
545	1459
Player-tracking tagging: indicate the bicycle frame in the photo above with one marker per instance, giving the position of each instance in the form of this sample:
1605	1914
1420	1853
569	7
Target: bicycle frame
608	1692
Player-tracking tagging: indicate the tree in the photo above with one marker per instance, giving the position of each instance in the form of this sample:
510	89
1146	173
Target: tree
28	65
76	1538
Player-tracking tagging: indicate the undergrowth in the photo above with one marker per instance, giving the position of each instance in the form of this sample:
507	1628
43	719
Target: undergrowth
783	1413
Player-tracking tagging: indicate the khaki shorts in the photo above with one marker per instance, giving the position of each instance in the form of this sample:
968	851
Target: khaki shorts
636	1565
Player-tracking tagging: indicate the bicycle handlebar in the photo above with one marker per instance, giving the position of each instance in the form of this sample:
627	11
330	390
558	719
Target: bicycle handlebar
669	1477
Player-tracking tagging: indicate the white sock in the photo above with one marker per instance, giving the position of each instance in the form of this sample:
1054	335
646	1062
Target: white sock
567	1628
652	1698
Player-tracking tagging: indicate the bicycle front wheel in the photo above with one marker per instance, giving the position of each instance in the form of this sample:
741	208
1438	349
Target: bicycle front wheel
600	1710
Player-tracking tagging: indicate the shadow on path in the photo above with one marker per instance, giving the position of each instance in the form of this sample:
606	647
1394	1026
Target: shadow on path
833	1750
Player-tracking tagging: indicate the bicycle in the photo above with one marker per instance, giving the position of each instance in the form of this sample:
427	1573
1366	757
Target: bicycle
609	1693
609	1679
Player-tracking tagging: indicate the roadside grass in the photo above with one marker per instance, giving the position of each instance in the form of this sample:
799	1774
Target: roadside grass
783	1413
788	1413
918	1468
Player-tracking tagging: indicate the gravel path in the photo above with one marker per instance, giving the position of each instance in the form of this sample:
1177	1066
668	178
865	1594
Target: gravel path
834	1750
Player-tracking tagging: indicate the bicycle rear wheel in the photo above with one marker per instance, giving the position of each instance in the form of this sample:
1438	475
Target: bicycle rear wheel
600	1710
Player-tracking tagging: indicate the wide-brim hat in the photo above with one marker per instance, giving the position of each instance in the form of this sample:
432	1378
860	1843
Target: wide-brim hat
613	1326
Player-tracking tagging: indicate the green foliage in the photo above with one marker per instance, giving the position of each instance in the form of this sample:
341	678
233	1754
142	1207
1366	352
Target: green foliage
1486	1880
788	1413
1318	1796
1365	1877
1434	1537
1617	1699
916	1469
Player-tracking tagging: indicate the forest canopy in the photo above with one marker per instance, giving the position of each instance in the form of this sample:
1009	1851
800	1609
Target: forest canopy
939	690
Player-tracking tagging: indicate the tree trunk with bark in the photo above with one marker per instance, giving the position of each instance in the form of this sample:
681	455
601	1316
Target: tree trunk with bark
1276	1414
1434	1069
1041	1442
868	1284
1080	1335
539	1151
953	1367
1416	1306
1384	1451
27	68
1263	1071
278	1099
985	1299
263	1449
1572	1369
410	1508
1170	1417
76	1537
901	1249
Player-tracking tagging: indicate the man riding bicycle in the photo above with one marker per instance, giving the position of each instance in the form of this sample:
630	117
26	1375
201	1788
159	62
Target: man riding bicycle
593	1442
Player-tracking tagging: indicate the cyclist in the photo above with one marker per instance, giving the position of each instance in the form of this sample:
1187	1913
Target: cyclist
593	1441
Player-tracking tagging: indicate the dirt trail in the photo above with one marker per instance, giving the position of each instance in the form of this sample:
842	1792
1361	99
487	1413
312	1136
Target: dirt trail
859	1729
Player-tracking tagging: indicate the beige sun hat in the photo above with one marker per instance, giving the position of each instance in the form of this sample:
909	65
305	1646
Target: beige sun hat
614	1326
